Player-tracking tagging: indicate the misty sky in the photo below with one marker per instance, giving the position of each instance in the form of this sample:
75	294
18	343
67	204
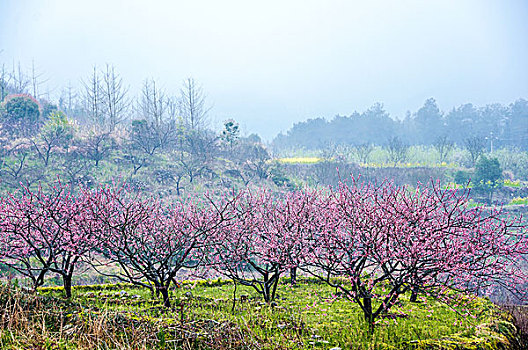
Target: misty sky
268	64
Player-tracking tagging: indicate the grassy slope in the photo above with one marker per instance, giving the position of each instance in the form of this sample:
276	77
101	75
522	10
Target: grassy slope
306	317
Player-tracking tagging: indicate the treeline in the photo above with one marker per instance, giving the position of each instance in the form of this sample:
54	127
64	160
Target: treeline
493	124
101	131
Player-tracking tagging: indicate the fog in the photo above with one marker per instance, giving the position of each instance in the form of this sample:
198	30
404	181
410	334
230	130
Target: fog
270	64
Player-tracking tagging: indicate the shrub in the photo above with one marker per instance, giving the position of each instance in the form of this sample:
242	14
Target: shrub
462	177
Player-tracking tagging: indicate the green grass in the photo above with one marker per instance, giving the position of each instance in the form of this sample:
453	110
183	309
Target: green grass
514	184
519	200
300	160
308	316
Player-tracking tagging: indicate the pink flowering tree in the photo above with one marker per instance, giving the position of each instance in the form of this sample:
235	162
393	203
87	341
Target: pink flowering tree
295	219
262	239
439	241
347	250
45	232
239	249
391	240
149	241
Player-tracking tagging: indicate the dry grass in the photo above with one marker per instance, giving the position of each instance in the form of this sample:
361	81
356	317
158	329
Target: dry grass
519	316
39	322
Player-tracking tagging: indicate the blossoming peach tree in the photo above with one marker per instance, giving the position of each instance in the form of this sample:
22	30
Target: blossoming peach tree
263	238
45	232
390	240
150	241
372	242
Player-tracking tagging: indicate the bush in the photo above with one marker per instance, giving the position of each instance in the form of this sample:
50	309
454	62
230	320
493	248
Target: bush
462	177
20	113
488	176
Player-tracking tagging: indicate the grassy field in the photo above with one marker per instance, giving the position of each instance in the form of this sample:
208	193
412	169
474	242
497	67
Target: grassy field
307	316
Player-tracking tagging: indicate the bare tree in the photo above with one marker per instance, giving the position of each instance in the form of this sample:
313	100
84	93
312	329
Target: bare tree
363	152
443	146
197	153
67	98
96	145
256	161
17	165
475	146
157	123
36	80
69	103
114	98
193	108
153	103
92	99
397	150
154	128
20	81
5	81
146	137
76	167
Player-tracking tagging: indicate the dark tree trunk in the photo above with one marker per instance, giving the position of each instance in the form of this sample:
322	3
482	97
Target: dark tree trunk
293	276
67	283
367	312
39	281
265	288
165	295
234	297
275	283
414	295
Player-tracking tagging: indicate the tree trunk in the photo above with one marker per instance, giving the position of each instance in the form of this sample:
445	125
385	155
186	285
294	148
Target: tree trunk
266	292
414	295
165	295
39	281
266	288
275	283
367	312
67	283
234	297
293	276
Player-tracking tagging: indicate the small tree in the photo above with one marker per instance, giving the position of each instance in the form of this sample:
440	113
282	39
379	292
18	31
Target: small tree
95	144
46	232
21	114
363	152
475	147
149	241
256	160
488	176
397	150
16	167
230	134
55	134
443	146
196	153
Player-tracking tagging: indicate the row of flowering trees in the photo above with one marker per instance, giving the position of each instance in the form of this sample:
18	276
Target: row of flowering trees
382	240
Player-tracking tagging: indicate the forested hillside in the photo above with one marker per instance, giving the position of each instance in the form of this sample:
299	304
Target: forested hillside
493	125
165	144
